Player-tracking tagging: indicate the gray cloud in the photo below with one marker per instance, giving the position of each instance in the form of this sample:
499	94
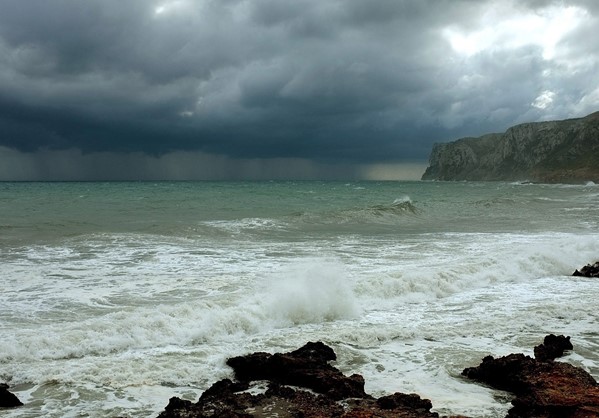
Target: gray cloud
342	84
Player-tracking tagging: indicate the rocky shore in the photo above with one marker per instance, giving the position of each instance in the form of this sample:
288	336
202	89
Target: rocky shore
543	388
302	383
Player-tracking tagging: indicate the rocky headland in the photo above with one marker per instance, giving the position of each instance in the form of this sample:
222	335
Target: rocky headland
564	151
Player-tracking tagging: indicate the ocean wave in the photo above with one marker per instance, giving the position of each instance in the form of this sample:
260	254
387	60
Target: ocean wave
588	183
388	213
459	262
496	201
238	226
140	314
312	291
175	317
400	207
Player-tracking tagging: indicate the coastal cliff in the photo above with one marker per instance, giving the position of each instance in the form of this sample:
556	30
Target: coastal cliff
564	151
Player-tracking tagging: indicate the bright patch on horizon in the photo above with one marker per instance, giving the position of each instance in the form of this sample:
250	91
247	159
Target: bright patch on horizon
509	29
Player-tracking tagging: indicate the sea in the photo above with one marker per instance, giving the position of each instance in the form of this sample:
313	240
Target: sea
117	296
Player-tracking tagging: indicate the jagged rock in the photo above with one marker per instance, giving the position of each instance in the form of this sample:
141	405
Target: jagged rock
555	152
307	367
553	347
220	400
401	399
8	399
543	389
590	270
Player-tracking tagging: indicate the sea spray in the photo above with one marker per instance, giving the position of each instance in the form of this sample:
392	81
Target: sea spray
311	291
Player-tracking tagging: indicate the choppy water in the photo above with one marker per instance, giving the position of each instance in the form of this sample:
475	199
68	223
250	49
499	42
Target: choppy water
117	296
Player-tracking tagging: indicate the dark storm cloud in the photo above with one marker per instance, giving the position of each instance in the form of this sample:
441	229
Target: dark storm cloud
332	82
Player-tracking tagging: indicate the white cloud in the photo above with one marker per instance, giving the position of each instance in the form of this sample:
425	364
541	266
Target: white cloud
169	6
544	100
505	26
588	103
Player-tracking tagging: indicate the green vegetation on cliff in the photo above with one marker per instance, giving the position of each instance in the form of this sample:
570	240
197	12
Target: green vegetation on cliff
557	152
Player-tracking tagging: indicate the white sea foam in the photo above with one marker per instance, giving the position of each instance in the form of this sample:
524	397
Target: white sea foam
402	199
108	315
459	262
247	224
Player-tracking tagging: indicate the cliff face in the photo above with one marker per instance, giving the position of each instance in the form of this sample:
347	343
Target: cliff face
559	151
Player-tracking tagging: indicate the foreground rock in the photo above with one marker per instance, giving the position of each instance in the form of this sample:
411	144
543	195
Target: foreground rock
306	367
553	347
590	270
564	151
543	388
8	399
300	383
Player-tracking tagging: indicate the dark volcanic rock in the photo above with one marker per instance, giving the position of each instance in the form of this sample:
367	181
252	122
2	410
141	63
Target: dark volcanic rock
590	270
404	400
542	388
8	399
336	395
306	367
283	401
220	400
553	347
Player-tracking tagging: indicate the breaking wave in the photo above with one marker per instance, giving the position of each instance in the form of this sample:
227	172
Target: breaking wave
387	213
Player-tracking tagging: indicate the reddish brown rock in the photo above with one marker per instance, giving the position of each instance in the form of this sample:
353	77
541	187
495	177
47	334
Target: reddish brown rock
284	401
543	389
331	393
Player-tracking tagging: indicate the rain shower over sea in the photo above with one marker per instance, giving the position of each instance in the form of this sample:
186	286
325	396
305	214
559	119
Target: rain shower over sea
117	296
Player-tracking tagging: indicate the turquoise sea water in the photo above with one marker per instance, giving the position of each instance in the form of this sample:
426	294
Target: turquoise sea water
117	296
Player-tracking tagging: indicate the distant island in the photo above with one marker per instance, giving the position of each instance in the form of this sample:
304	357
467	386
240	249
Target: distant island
565	151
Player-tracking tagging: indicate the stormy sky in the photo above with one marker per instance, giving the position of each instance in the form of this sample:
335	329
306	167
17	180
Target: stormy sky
234	89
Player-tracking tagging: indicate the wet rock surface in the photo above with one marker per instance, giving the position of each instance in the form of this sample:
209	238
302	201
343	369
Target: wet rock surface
543	388
590	270
306	367
301	383
8	399
553	347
